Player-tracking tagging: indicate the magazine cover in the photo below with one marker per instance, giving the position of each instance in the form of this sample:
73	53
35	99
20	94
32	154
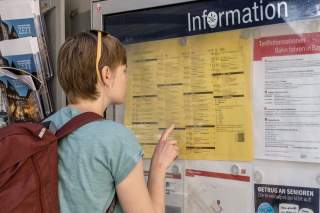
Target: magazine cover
25	20
17	19
19	97
24	54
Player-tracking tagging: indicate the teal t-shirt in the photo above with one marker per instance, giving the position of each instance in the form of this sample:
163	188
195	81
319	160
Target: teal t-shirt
92	161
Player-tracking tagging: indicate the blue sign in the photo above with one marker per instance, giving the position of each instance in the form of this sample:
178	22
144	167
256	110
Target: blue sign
20	28
24	62
278	198
200	17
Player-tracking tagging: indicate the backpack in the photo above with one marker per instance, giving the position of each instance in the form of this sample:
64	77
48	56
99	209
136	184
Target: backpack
29	165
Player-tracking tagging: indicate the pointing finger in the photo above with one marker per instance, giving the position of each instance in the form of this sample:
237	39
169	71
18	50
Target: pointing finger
166	133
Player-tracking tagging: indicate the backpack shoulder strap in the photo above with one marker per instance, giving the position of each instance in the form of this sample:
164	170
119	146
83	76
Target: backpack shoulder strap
113	204
77	122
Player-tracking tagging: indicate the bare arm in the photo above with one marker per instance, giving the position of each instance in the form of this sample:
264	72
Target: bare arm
133	194
165	153
156	187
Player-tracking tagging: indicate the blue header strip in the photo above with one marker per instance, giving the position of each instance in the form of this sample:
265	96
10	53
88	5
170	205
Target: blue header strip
206	17
24	62
19	28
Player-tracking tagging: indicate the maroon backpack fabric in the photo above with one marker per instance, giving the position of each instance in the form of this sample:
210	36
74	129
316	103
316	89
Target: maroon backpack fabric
29	165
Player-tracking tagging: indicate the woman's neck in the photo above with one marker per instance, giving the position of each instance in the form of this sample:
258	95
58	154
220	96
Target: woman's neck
89	106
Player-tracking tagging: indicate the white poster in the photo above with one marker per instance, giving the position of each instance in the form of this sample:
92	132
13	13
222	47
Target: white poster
218	187
287	97
174	186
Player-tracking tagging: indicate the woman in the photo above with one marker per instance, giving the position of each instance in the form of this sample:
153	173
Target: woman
103	158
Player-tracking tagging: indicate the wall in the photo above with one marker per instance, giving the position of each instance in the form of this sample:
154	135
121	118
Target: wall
77	16
55	22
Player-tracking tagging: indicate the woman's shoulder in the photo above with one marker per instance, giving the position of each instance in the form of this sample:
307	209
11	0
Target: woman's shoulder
108	126
115	138
101	127
110	130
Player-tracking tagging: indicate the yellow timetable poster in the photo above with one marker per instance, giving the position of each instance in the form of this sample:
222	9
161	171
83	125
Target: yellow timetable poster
199	83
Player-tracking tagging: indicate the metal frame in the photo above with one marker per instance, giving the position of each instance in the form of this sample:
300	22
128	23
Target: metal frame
100	8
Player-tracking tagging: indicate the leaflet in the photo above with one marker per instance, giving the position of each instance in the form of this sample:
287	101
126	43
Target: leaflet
17	19
285	199
212	188
20	19
287	97
19	97
202	89
174	193
24	54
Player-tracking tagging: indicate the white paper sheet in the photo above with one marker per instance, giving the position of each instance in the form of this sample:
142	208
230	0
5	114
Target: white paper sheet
287	98
174	186
218	187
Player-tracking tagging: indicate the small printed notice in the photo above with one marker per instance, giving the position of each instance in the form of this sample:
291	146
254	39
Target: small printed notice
285	199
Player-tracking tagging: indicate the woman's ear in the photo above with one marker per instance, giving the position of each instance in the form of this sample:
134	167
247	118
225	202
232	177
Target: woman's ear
106	76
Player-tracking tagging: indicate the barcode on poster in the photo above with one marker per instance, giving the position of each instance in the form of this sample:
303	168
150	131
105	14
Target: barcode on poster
240	137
